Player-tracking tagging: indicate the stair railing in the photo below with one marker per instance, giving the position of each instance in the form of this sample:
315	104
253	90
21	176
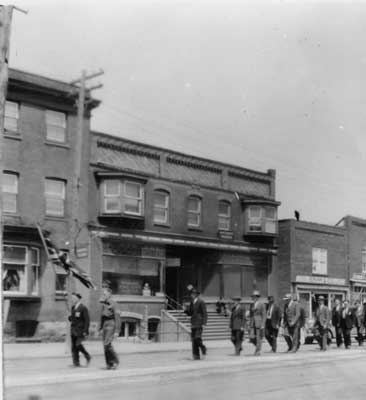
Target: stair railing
172	304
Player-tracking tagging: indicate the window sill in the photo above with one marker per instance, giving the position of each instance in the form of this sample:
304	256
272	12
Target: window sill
61	296
162	224
195	229
57	144
13	135
28	297
54	218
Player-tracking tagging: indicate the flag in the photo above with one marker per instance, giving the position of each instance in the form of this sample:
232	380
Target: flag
62	259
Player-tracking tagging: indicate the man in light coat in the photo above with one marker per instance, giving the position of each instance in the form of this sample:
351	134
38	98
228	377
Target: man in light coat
259	317
292	318
322	322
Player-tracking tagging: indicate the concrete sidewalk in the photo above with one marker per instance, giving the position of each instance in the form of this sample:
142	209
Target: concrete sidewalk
13	351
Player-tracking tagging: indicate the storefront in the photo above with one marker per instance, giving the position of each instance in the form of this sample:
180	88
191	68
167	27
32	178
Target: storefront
309	288
358	287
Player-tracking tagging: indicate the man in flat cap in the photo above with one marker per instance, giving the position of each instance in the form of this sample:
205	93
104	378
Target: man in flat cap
198	313
322	322
109	325
258	321
273	322
237	324
79	319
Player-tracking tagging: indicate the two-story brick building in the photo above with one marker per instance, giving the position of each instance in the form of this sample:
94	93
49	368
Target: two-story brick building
39	152
312	261
170	219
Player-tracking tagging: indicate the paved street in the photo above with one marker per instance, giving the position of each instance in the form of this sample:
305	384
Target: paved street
310	373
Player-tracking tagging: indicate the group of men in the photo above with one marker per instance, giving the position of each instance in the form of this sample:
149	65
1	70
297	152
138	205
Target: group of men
264	320
109	327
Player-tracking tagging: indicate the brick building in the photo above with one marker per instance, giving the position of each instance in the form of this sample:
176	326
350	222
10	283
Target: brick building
312	261
39	149
170	219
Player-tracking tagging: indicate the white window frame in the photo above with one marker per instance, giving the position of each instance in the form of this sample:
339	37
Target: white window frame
11	116
164	208
363	260
139	199
320	261
35	265
25	266
224	220
197	213
53	196
270	221
255	221
11	193
51	123
107	196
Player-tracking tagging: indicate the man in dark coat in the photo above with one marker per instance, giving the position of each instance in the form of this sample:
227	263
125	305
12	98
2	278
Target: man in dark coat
347	322
273	321
237	324
285	324
198	313
322	323
109	325
293	321
79	319
336	321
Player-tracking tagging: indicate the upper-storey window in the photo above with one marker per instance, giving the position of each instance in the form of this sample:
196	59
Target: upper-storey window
194	210
56	126
262	219
10	192
224	215
11	118
363	259
161	207
55	191
122	196
320	257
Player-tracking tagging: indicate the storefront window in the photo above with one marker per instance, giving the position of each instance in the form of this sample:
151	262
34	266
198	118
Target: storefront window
20	265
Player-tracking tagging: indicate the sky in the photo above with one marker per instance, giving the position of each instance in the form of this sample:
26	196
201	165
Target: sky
261	84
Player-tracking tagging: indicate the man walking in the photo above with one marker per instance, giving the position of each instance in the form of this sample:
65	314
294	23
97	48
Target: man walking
347	322
198	313
359	315
258	320
322	322
79	319
109	325
336	321
237	324
292	317
273	321
286	333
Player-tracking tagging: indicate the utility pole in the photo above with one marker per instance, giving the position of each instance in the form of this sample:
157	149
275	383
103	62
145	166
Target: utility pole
6	14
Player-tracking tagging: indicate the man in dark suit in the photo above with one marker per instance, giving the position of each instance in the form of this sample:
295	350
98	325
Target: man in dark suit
237	324
79	319
285	325
336	321
273	321
293	317
259	317
347	322
322	323
198	313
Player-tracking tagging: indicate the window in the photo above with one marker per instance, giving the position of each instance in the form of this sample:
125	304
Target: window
224	215
194	211
56	126
262	219
11	117
255	219
133	195
10	192
363	260
320	261
55	197
122	196
112	196
20	270
61	280
161	207
128	328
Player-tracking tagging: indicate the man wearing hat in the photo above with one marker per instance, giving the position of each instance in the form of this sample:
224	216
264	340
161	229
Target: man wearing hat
237	324
79	319
322	322
293	322
258	320
273	321
109	325
198	313
285	324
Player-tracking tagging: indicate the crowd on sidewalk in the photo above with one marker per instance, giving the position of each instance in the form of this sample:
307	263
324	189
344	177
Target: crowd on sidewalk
264	320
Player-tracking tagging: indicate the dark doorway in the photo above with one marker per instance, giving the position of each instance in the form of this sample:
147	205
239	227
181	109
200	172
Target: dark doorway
172	283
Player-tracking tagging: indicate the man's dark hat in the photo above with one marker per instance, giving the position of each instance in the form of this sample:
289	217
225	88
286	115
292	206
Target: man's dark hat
77	295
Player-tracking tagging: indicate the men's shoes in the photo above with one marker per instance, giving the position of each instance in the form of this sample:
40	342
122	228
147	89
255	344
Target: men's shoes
88	359
204	350
75	365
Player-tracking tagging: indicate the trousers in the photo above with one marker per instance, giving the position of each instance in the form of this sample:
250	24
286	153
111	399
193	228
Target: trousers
197	344
237	336
109	328
271	335
76	348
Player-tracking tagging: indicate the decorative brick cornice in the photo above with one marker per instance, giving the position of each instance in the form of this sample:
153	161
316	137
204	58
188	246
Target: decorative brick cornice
130	150
195	165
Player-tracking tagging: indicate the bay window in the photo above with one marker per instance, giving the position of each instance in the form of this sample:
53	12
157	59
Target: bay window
262	219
